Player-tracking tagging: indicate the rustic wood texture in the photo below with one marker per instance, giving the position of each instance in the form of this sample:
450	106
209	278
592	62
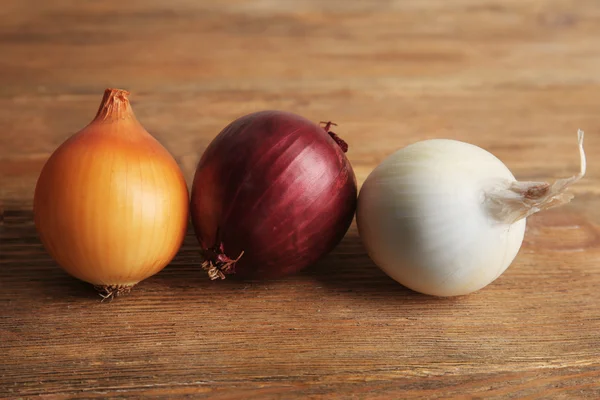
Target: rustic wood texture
515	77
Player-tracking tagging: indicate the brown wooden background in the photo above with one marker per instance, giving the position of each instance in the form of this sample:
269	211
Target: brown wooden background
515	77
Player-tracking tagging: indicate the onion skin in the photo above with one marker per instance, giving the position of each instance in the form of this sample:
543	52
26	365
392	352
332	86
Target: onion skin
420	218
272	194
111	204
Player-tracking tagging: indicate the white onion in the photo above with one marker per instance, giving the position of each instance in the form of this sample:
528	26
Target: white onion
447	218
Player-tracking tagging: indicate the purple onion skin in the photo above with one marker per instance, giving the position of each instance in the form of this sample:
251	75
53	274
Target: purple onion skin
276	187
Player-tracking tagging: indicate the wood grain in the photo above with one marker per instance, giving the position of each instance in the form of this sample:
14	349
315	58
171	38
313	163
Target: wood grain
516	78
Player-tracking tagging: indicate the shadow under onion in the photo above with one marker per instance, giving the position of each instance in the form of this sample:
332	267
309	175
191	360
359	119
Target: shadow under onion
350	270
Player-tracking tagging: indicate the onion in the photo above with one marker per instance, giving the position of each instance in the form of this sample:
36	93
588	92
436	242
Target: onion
272	194
111	204
447	218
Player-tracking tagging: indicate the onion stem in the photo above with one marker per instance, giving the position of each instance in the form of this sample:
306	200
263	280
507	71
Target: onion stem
521	199
114	106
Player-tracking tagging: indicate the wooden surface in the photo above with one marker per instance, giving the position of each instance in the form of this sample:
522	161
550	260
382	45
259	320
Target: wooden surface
515	77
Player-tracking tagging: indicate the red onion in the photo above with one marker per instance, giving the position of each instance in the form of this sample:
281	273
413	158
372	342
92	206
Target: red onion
272	194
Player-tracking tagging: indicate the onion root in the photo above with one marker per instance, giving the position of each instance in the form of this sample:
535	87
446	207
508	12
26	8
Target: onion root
217	264
109	292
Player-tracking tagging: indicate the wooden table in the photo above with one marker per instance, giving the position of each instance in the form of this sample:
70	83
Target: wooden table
516	78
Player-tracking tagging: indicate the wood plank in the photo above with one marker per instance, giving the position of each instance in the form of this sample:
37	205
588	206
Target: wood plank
516	78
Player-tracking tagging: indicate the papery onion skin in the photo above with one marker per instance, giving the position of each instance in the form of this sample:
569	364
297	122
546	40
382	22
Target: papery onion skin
273	191
447	218
111	204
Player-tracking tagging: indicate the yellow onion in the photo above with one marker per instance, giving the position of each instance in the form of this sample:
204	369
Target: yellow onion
111	204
